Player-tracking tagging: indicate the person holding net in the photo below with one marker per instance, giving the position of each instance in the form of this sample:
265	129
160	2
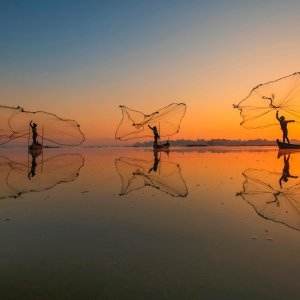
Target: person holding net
283	124
34	132
156	135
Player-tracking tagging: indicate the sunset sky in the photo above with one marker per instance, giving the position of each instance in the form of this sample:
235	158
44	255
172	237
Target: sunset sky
82	59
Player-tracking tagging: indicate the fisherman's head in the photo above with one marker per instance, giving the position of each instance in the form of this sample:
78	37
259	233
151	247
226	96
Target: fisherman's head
282	118
34	125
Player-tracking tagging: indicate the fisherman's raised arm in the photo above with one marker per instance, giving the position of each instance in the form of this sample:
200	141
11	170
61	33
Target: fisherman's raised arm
277	116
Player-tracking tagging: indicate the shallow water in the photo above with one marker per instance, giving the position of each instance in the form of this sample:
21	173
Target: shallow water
120	223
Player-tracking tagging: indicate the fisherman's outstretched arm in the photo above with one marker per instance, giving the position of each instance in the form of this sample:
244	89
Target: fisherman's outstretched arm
290	121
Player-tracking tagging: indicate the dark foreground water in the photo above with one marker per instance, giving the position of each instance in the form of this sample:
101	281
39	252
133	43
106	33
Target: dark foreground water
123	223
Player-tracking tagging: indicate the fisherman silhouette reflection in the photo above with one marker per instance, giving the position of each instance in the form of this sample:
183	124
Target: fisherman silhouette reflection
155	163
33	165
34	132
286	170
283	124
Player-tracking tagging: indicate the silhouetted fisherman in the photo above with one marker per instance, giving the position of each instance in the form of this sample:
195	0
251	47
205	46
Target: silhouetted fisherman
34	131
156	135
283	124
286	170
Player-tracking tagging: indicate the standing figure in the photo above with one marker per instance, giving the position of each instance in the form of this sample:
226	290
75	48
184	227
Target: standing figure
156	135
34	131
283	124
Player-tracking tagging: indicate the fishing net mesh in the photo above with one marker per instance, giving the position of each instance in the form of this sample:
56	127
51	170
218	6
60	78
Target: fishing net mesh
14	124
15	177
258	109
270	199
134	124
137	173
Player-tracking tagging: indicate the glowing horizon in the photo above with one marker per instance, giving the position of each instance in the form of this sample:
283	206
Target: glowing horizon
82	61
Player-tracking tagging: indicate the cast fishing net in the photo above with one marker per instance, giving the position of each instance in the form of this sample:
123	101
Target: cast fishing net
134	124
258	109
14	124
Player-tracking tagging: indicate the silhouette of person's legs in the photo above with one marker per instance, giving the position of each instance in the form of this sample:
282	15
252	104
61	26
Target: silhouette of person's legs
34	136
285	137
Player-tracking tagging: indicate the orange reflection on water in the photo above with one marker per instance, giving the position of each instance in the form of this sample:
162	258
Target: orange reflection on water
136	237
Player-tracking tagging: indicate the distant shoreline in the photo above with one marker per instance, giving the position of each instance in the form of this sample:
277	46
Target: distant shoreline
215	142
239	145
173	143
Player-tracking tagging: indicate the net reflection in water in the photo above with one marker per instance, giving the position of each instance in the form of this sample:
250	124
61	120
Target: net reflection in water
17	178
272	196
162	175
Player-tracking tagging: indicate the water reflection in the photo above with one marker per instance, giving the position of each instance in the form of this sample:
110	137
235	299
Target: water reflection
286	170
34	156
273	195
37	174
160	174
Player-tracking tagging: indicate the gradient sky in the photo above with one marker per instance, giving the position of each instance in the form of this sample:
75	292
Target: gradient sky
81	59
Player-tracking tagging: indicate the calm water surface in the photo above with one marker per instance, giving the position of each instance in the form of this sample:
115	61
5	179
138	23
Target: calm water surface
123	223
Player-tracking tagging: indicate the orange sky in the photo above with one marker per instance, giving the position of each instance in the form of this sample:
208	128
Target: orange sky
208	63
